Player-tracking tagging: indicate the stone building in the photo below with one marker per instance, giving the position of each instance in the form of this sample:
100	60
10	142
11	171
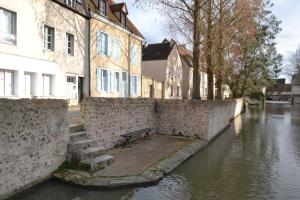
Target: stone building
296	88
279	91
44	49
115	51
162	63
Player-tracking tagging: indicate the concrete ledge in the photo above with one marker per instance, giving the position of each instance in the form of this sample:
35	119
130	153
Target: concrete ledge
151	175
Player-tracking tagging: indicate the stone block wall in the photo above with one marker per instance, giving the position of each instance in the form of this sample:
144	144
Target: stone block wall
106	119
203	119
182	117
33	142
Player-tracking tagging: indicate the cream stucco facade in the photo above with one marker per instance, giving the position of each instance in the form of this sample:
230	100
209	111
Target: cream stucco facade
117	72
35	69
168	72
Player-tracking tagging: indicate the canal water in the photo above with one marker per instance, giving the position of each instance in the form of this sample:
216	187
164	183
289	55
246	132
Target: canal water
258	157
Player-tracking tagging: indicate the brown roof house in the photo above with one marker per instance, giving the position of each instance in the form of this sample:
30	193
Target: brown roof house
115	51
296	88
162	64
279	91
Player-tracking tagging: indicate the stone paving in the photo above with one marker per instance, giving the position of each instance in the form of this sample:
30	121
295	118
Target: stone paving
143	162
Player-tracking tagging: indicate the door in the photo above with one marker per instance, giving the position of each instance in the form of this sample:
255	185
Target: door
124	84
80	89
151	91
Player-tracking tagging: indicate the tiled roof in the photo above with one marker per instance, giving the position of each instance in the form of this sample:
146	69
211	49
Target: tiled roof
79	8
159	51
94	6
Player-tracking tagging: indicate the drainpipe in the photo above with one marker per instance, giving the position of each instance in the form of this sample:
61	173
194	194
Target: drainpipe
89	54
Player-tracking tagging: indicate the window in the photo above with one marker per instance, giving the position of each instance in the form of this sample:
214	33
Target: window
28	84
71	87
6	82
123	19
134	54
134	85
46	85
102	7
69	2
49	37
117	82
172	90
102	80
116	49
102	43
70	44
178	91
8	26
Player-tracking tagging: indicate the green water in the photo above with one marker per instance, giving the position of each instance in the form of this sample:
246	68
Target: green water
258	157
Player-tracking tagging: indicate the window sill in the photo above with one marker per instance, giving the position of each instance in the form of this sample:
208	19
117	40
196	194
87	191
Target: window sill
8	43
48	50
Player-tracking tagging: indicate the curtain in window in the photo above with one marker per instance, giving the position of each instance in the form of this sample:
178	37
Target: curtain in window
9	26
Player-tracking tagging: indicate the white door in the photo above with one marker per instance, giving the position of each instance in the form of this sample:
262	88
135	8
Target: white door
28	84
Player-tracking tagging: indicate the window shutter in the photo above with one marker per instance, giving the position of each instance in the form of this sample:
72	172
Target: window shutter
98	42
111	82
110	47
98	79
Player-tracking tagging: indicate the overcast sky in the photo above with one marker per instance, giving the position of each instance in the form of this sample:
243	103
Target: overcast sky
152	24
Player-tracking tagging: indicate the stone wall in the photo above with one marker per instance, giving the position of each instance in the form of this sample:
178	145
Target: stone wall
106	119
33	142
204	119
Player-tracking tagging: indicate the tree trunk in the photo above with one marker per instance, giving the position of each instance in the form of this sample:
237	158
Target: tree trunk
196	52
210	74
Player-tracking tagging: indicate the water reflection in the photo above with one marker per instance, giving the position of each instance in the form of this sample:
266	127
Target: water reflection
258	157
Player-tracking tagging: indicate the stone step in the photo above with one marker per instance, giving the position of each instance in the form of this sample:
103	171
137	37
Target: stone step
92	152
97	163
76	136
79	146
76	128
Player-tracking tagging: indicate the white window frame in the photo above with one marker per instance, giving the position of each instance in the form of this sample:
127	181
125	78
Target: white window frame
103	49
102	10
69	2
123	19
71	82
70	44
116	84
50	85
12	82
13	36
102	87
46	35
134	88
31	83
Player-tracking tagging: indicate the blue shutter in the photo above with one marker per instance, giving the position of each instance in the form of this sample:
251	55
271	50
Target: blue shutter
98	42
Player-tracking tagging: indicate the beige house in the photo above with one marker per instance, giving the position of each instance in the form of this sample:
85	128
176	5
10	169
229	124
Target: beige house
187	70
44	49
115	51
162	63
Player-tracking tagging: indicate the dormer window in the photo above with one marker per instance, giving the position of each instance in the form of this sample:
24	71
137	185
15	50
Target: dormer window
69	2
123	19
102	7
